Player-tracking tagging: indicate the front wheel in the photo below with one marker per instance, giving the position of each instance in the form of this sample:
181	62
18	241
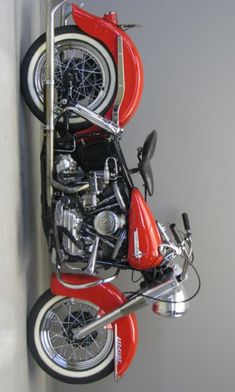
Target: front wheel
53	346
85	74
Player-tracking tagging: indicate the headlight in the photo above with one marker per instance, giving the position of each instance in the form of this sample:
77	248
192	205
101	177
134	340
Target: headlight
174	307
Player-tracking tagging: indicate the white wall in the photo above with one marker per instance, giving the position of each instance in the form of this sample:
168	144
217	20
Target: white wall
188	53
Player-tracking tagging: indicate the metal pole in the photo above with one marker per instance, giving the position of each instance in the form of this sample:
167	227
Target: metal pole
52	6
65	14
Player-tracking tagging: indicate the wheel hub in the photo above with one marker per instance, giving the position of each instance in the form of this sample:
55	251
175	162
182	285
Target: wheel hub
76	321
76	82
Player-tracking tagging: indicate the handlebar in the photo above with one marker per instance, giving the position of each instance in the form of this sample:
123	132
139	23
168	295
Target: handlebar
183	246
186	222
186	226
175	233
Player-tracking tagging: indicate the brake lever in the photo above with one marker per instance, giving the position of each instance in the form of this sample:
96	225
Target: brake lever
186	254
167	245
175	248
178	249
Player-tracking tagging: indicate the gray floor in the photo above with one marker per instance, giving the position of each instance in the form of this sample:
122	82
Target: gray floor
23	274
189	59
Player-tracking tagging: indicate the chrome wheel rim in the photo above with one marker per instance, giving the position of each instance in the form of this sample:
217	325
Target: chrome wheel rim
56	335
86	70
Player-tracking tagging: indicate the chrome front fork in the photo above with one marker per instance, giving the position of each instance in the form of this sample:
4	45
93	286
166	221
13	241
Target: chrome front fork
132	305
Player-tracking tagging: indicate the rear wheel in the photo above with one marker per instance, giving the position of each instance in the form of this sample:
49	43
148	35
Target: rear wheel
85	73
53	345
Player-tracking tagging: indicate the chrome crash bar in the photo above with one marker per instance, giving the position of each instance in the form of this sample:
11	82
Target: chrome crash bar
84	285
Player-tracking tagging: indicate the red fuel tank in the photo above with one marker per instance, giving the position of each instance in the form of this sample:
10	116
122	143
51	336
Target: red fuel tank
143	235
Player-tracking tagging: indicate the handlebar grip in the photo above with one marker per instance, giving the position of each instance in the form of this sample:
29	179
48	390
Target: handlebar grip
186	222
175	233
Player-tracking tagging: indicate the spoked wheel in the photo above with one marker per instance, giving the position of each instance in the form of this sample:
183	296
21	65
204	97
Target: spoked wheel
52	343
84	73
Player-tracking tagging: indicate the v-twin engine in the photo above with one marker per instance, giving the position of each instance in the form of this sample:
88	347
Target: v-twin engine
99	211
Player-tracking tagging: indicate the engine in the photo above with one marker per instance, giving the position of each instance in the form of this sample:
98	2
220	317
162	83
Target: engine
98	210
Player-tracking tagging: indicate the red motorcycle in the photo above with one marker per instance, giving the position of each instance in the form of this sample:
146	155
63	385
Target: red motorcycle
84	82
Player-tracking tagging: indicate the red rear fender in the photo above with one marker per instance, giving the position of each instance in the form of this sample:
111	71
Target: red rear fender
107	32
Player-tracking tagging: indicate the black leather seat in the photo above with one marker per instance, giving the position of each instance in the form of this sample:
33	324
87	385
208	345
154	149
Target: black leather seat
145	155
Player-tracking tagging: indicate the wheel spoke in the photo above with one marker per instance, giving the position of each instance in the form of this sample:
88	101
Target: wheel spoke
59	342
61	324
86	71
93	85
89	74
74	354
61	346
94	340
57	335
86	351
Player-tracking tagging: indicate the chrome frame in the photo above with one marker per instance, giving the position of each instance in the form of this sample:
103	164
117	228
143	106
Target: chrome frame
52	7
65	14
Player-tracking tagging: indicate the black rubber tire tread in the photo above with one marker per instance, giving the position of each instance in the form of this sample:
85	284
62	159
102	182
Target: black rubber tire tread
45	297
24	78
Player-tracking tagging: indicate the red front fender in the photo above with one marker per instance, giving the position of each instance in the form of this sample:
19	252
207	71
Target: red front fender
107	32
108	298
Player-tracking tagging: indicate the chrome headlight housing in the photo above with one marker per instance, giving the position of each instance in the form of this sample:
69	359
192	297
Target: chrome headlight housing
174	306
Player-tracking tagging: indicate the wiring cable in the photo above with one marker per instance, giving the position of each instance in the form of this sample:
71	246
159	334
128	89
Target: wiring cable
167	301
